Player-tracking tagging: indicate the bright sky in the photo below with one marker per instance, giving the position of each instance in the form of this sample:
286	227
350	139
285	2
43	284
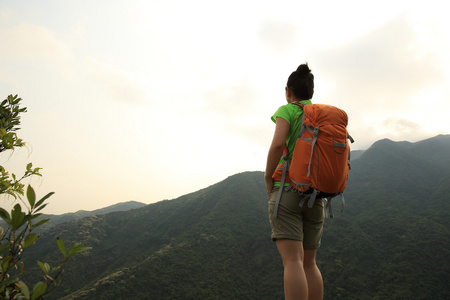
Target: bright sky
150	100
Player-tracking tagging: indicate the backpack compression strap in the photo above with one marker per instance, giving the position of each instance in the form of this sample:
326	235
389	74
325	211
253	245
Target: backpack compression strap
329	213
314	131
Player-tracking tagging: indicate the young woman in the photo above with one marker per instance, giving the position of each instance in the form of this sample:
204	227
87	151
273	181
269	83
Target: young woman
296	230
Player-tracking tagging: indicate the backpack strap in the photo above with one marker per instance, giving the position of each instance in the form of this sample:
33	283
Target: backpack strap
349	159
351	139
283	179
311	200
302	105
328	209
315	133
342	202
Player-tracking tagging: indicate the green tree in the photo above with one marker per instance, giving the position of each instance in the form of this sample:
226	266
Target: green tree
18	235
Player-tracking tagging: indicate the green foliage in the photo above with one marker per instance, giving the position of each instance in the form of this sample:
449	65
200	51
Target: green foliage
10	111
18	235
9	122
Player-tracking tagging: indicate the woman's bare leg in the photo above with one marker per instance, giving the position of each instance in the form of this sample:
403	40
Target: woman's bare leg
313	275
295	285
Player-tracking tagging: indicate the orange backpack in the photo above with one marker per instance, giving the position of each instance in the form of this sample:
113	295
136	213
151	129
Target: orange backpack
321	159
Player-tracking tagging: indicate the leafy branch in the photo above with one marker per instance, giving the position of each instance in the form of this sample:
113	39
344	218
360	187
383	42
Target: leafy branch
18	235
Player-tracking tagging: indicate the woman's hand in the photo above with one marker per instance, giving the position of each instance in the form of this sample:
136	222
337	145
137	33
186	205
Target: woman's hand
269	183
276	150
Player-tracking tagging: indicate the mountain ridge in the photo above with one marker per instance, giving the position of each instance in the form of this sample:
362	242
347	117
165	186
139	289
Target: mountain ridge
56	219
215	243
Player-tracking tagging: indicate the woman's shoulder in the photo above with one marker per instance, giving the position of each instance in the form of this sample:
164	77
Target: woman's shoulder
289	111
286	111
282	110
290	108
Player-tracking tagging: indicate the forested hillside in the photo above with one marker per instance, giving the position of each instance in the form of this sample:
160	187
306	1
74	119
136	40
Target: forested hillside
392	241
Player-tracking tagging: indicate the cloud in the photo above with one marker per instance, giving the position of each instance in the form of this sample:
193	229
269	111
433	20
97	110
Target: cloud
5	16
257	134
380	69
396	129
278	35
376	79
112	84
233	100
28	41
58	65
400	127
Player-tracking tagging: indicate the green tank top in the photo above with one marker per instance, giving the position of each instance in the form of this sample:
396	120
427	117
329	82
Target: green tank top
293	115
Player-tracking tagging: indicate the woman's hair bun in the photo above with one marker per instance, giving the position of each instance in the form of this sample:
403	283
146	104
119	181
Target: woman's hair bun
303	69
301	82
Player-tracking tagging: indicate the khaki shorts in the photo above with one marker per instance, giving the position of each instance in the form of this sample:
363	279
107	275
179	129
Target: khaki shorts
293	222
